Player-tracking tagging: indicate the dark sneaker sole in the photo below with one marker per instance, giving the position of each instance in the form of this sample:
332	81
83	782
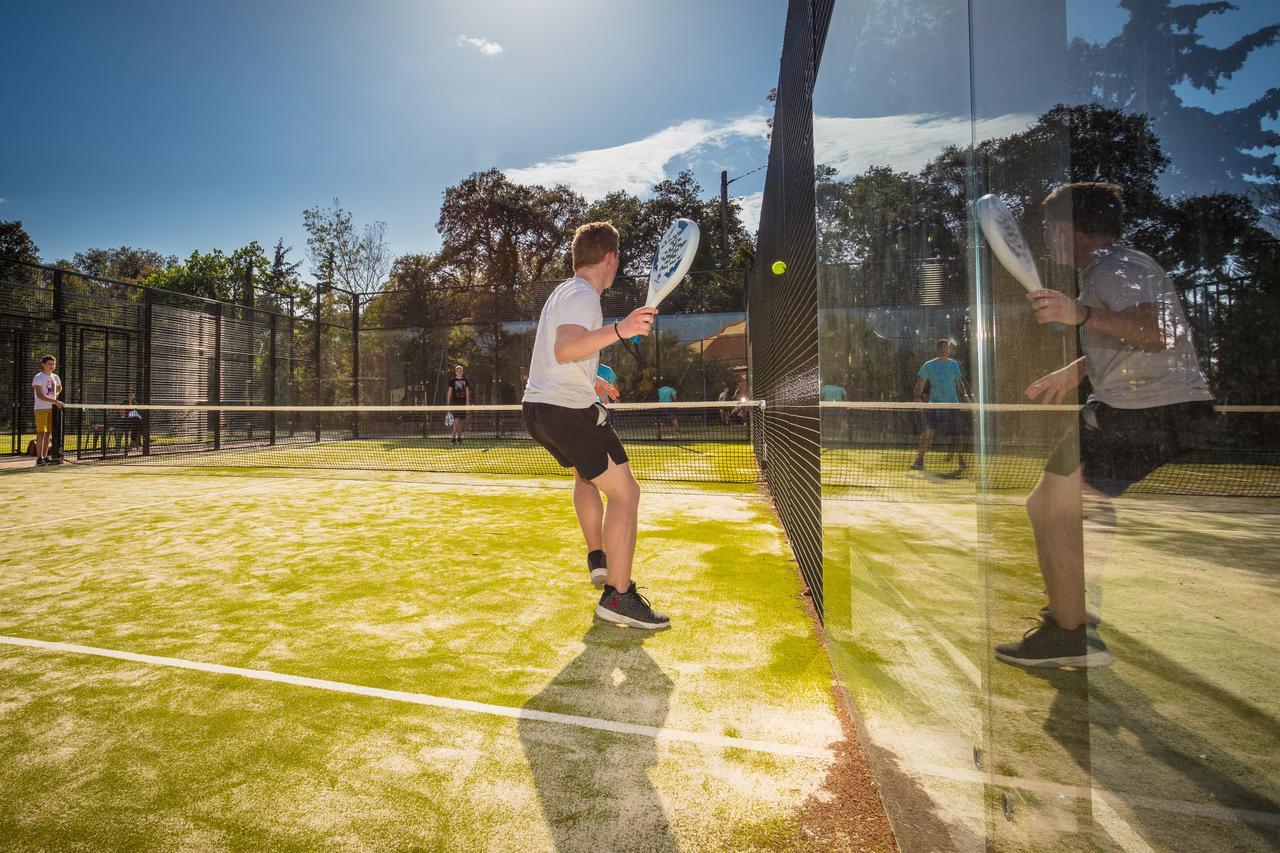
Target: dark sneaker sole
1089	661
618	619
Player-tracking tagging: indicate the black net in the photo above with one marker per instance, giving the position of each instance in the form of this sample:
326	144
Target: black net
687	443
783	307
869	450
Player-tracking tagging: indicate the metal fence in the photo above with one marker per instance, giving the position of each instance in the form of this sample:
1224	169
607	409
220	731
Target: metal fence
112	338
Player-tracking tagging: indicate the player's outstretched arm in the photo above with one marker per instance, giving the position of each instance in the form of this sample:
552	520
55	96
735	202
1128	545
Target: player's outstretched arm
574	342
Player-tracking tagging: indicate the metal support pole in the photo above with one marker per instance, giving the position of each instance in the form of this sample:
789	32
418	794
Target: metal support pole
215	386
724	219
271	388
355	363
59	309
148	301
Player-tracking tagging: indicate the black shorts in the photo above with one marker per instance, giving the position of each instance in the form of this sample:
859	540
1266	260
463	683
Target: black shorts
575	437
459	415
946	422
1118	447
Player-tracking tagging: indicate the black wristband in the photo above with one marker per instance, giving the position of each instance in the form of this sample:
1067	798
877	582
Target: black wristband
616	332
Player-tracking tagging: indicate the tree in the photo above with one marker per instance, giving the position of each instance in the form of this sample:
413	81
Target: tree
211	275
498	233
1159	49
355	260
17	245
282	278
123	264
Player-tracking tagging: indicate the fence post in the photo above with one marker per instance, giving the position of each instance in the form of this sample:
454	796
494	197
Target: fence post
59	308
271	389
147	303
215	386
355	363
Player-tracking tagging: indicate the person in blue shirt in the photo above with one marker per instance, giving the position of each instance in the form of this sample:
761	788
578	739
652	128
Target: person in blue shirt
946	384
832	393
607	389
668	394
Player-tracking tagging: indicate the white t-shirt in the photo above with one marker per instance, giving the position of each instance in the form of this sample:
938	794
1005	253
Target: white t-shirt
1124	376
575	302
50	384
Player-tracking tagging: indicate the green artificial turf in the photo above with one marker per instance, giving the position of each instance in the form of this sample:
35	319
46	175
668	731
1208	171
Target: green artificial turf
455	591
1175	746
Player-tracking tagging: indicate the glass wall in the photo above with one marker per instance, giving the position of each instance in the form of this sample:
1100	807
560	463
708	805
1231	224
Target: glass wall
1049	278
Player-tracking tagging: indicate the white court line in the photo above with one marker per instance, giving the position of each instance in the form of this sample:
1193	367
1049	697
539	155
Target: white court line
117	509
655	732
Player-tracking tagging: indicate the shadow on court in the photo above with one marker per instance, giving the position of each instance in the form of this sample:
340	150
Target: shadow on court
1127	744
594	787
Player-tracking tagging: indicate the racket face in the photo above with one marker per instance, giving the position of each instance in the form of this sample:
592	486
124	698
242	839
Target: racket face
1006	241
672	260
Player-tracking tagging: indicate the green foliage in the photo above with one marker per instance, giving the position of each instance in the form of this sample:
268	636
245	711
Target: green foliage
16	244
123	264
212	275
497	232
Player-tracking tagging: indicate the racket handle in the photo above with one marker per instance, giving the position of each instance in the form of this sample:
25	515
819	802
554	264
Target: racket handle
636	339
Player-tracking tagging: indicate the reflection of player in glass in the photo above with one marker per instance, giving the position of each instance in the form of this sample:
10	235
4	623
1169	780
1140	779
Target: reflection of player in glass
459	396
945	379
1149	398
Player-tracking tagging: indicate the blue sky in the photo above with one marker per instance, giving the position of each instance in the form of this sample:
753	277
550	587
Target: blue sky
181	125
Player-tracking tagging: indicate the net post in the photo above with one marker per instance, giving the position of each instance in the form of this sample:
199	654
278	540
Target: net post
215	384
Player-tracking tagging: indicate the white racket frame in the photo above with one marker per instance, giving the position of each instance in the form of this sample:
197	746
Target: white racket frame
672	260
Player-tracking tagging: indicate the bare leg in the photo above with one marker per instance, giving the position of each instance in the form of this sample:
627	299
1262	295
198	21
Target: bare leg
42	444
620	521
926	439
590	509
1056	519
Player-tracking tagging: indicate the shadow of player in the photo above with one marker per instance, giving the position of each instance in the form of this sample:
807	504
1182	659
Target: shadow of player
593	786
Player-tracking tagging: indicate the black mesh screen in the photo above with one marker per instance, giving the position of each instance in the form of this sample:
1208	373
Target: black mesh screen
783	307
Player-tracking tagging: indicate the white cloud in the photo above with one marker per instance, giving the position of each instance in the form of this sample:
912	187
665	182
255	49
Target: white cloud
905	142
749	207
3	200
488	48
637	166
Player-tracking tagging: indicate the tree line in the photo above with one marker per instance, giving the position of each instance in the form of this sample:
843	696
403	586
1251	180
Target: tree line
495	235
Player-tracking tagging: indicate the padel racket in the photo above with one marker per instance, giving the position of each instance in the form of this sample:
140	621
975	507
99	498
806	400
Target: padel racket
672	260
670	264
1006	241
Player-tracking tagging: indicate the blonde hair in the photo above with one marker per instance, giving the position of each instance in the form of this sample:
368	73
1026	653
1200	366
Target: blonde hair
592	241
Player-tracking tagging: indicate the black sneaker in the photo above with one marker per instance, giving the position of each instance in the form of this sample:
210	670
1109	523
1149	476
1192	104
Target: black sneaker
1050	646
918	465
629	608
41	461
598	568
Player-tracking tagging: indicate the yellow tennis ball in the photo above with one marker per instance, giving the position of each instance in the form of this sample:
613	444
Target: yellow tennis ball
779	267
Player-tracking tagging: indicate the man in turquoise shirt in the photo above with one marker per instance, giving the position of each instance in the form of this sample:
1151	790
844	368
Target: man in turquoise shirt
667	394
946	385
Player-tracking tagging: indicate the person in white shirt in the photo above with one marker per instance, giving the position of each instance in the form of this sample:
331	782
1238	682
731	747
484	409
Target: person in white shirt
563	413
46	386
